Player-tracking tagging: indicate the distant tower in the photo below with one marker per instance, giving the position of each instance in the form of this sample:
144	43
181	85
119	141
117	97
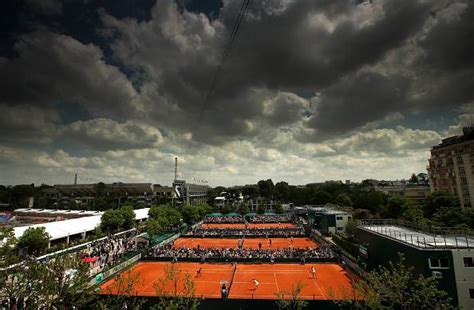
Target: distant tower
75	179
176	168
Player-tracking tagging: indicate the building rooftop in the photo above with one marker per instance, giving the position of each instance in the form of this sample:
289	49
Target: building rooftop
468	135
438	238
62	229
58	211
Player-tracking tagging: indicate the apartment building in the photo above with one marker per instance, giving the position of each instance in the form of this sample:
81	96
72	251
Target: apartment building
451	167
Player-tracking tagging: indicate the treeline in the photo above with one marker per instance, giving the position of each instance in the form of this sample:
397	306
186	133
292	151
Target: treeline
359	196
165	218
18	196
439	209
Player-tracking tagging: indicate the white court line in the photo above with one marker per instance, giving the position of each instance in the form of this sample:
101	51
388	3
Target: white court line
270	271
276	282
317	286
197	281
249	282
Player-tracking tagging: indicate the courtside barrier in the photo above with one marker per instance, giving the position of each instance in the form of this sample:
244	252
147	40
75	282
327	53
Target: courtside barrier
102	276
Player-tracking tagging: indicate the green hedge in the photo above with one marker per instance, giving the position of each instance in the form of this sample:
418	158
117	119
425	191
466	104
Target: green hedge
350	247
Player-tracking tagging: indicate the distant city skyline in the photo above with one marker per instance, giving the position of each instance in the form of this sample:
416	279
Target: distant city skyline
311	90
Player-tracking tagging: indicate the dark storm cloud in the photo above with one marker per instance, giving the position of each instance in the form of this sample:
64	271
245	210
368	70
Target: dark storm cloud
282	46
449	45
105	134
287	51
45	7
27	125
339	50
446	66
52	68
357	99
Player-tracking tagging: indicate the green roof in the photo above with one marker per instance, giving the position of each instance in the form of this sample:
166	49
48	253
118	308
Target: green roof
233	214
214	214
155	239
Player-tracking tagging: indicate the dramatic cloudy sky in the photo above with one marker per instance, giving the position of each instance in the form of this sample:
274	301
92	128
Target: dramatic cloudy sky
313	90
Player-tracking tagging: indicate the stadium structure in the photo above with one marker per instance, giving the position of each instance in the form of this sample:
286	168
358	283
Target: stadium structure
256	262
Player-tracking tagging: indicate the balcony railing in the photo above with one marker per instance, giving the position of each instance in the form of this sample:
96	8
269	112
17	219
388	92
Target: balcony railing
422	236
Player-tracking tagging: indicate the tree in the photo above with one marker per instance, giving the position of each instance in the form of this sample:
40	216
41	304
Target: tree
468	216
266	188
167	216
291	300
111	220
128	216
20	195
121	293
396	206
449	216
64	280
176	290
261	208
279	209
343	200
190	214
153	227
250	191
414	179
413	213
371	200
321	198
243	208
7	252
422	178
397	287
203	209
34	239
361	214
60	282
282	191
351	229
437	200
227	209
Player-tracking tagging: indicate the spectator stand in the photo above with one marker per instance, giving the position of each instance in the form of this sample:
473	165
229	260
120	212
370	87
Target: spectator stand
224	218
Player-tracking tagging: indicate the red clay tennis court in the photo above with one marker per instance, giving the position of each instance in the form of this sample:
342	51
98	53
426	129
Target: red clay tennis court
249	243
331	281
250	226
205	243
148	279
280	243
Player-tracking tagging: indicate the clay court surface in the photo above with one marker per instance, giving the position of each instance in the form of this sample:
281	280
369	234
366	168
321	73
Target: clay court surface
331	281
249	243
250	226
147	277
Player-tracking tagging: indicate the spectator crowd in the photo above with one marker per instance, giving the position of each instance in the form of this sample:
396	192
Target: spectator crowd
108	251
224	219
263	232
168	251
270	218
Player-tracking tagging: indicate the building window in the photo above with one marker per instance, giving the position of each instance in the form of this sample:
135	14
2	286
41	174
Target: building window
438	263
468	261
338	218
471	293
340	228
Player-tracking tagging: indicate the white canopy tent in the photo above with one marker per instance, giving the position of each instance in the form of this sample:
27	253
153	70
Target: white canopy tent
66	228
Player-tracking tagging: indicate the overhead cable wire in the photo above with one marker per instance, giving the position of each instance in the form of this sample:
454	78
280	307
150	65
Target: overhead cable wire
225	55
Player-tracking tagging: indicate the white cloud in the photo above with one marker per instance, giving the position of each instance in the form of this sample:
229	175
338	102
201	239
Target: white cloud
104	134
